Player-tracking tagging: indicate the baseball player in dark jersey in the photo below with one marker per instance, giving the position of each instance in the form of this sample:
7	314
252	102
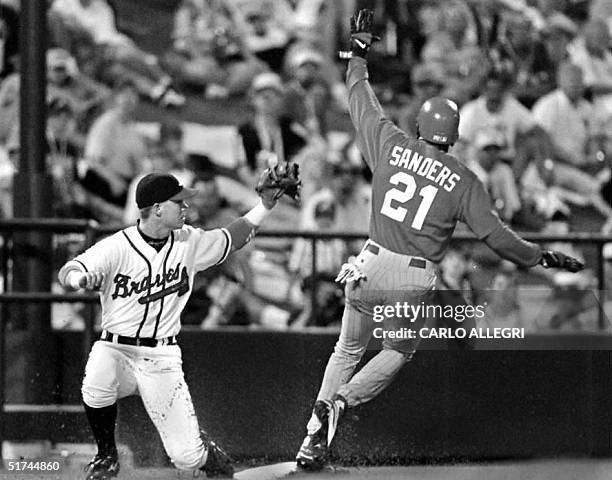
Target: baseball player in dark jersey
419	193
144	274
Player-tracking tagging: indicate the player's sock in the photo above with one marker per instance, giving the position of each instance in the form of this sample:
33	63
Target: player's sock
102	423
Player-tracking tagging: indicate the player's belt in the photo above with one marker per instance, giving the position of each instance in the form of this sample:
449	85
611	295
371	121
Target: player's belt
414	262
137	342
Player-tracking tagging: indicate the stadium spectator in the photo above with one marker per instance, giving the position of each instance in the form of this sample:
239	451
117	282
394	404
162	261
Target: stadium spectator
268	28
557	34
312	92
454	48
329	300
318	216
591	52
495	174
316	23
351	198
114	152
520	52
566	116
7	172
126	59
269	136
9	39
64	81
601	9
498	109
9	107
426	81
63	156
209	49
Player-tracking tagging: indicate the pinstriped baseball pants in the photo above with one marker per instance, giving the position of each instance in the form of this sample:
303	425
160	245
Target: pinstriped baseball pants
390	279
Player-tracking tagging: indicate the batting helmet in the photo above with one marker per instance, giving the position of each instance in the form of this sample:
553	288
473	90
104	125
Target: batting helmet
438	121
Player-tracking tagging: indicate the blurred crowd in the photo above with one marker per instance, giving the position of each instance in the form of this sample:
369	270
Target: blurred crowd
533	79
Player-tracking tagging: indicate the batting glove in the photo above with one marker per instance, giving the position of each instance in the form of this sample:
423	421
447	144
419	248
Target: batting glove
361	34
555	259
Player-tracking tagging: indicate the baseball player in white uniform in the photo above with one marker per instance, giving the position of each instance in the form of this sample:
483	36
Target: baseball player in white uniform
144	274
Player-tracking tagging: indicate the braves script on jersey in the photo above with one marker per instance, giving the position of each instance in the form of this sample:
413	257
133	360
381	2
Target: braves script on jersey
147	290
418	192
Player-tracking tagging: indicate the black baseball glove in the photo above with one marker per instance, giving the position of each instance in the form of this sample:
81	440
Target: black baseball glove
554	259
274	182
361	34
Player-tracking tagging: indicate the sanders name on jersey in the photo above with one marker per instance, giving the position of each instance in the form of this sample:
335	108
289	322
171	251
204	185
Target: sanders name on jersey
431	169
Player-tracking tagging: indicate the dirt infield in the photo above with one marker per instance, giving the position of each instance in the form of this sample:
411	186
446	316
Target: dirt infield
563	469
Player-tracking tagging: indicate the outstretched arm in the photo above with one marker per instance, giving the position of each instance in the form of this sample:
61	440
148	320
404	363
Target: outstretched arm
477	211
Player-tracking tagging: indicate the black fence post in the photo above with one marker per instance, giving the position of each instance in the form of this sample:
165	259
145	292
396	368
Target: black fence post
2	376
601	285
314	312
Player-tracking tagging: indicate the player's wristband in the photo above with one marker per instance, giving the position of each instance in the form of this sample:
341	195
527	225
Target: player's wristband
256	215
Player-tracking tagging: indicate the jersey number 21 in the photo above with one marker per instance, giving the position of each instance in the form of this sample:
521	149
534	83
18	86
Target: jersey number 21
403	195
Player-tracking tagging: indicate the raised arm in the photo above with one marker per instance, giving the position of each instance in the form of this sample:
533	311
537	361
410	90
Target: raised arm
364	108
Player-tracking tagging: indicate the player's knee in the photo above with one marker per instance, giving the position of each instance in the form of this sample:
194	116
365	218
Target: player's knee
96	397
188	458
349	352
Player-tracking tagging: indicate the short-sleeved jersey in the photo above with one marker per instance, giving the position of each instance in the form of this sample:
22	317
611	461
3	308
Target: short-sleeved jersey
145	291
419	193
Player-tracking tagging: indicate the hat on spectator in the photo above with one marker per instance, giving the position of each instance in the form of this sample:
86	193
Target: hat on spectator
267	80
427	73
302	57
559	23
60	58
160	187
489	138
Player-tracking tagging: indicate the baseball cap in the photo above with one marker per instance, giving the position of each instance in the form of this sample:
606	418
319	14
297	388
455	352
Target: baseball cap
267	80
489	138
305	56
559	23
160	187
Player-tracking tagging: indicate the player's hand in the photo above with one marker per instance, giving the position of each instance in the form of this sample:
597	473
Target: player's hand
91	280
555	259
279	180
361	34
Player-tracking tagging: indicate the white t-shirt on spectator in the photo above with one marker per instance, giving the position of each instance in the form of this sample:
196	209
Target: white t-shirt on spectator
566	123
98	18
596	71
115	145
511	119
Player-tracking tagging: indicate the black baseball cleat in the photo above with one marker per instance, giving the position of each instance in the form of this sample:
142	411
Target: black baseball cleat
102	467
218	463
315	447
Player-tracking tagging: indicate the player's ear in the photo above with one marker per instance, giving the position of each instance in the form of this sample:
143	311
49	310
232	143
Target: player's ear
158	210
